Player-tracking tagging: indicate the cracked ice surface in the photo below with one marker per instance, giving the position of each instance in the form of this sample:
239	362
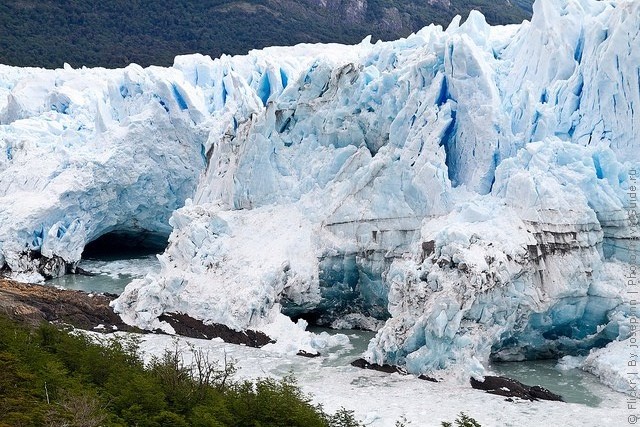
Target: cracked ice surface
467	186
90	151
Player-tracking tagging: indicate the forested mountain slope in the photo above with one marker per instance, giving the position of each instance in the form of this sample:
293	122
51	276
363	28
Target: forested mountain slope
114	33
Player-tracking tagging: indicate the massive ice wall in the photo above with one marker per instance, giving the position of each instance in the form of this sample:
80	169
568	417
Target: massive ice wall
464	187
92	151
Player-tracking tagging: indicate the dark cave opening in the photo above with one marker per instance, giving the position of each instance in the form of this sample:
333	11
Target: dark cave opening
313	318
125	244
352	294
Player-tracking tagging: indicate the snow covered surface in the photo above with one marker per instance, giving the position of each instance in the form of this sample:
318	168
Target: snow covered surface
381	399
615	365
467	187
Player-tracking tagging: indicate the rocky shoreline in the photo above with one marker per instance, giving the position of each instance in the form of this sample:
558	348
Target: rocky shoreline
33	304
501	386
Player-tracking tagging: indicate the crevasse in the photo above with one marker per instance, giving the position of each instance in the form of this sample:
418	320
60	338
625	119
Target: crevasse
465	191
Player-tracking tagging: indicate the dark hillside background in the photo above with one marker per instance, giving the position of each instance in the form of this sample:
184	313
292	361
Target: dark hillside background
114	33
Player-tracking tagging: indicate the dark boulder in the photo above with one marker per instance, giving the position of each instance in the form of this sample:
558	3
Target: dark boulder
511	388
307	354
82	272
189	327
389	369
427	378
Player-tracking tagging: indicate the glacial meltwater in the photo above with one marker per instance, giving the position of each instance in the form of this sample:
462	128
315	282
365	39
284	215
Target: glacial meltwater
112	273
574	385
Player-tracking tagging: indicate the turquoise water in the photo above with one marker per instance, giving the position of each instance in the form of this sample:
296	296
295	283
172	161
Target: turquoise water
573	385
358	342
112	274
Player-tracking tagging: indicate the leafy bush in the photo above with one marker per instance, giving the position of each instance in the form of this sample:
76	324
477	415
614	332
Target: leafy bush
463	420
51	377
344	418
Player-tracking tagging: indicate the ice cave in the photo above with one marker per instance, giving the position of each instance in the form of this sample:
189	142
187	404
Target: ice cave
464	192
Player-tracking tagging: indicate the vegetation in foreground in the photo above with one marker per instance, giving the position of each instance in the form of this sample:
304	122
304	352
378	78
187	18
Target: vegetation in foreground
463	420
49	377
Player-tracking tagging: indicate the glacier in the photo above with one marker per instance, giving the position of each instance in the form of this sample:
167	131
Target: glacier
466	192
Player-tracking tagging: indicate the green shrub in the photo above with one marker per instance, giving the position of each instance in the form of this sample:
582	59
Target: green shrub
344	418
463	420
51	377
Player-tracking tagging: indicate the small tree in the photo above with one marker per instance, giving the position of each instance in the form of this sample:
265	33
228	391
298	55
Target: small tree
209	373
86	410
344	418
463	420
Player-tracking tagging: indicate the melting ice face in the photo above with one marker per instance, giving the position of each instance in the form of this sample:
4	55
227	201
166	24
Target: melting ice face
467	187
